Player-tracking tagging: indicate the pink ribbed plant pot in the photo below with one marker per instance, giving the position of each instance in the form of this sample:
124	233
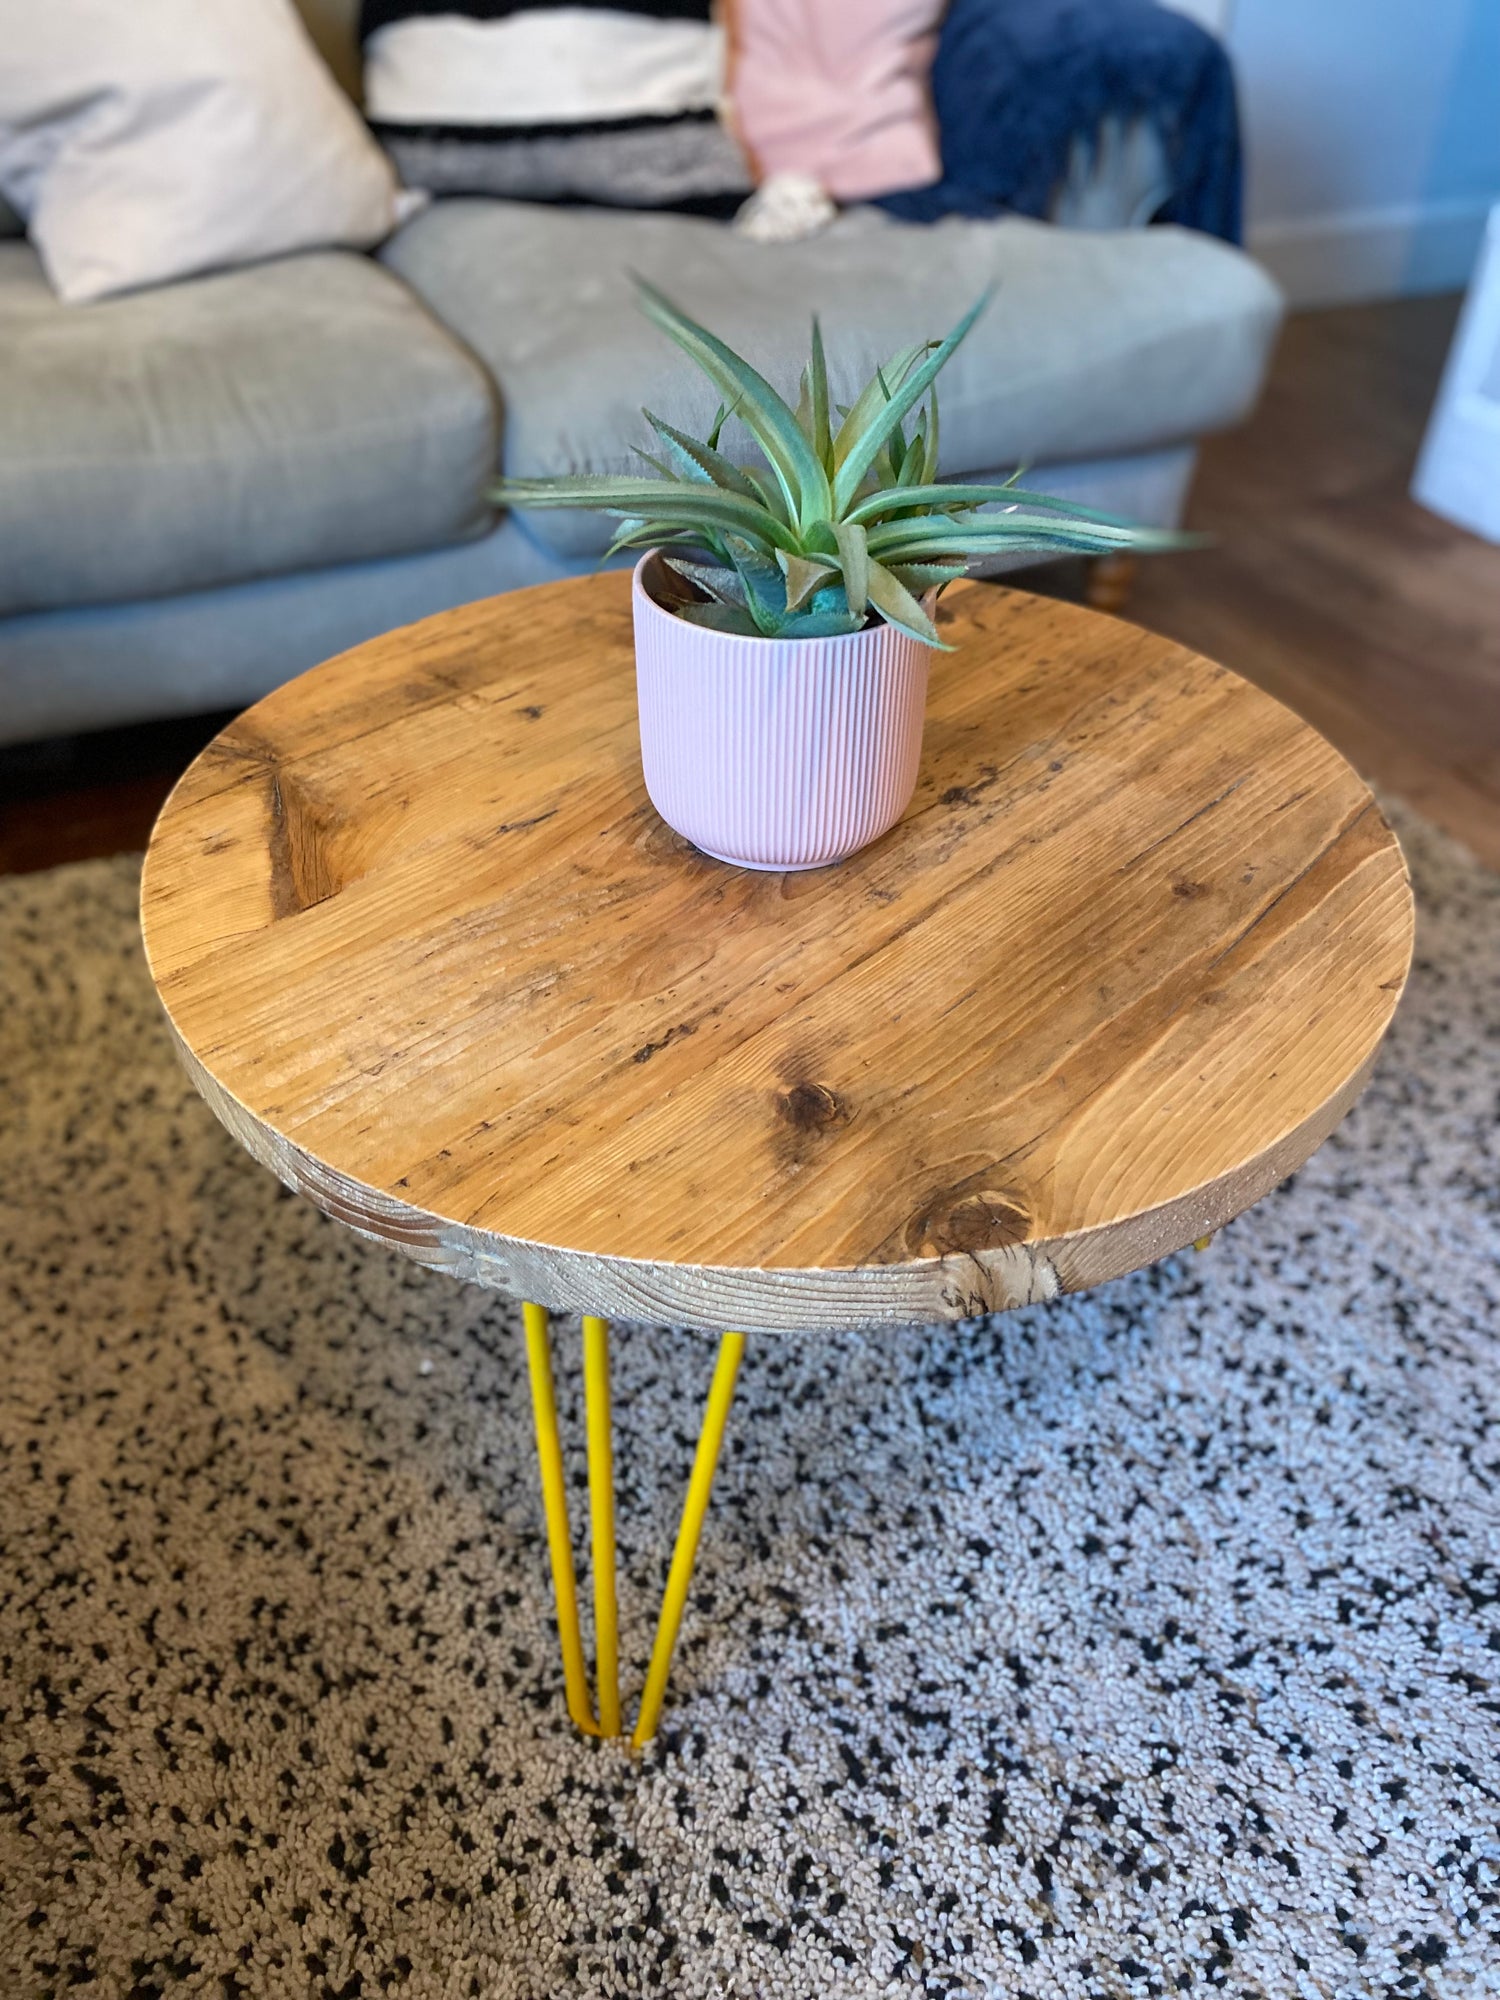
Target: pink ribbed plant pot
775	753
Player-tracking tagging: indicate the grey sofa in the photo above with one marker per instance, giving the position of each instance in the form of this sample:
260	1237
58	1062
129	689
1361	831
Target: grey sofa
208	487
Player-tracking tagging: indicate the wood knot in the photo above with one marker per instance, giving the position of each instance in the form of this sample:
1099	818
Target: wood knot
303	841
982	1219
972	793
812	1107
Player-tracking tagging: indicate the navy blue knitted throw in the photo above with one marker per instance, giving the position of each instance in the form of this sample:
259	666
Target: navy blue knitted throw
1016	80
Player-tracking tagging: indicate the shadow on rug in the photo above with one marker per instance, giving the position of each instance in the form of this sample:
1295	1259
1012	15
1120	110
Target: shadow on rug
1138	1644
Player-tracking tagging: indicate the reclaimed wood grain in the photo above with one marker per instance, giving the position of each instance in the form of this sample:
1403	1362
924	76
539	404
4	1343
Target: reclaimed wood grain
431	956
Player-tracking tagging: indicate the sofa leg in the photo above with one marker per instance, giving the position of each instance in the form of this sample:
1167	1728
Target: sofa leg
1109	581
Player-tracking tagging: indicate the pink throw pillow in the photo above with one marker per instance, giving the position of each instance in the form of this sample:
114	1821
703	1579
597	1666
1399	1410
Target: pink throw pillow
838	90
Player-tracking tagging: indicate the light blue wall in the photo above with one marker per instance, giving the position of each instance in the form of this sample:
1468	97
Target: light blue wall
1373	139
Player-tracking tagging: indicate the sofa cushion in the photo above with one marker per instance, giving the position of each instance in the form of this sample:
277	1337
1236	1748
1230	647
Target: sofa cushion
1094	343
295	413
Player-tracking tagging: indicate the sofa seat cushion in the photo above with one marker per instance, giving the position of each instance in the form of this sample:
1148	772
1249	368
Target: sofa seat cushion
292	414
1094	343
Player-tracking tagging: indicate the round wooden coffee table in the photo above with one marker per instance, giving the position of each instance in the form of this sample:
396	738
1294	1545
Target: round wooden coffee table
429	954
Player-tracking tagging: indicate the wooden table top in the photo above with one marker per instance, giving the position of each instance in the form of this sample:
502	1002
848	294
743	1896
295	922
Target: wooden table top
432	957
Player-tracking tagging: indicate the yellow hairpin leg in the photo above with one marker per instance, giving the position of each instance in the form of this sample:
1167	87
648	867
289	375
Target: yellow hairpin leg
680	1576
555	1502
602	1516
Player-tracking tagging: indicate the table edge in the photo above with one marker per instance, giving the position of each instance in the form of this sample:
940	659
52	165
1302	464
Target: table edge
779	1299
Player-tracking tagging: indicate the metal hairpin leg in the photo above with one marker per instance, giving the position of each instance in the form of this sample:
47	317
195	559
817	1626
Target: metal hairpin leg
602	1521
555	1504
680	1575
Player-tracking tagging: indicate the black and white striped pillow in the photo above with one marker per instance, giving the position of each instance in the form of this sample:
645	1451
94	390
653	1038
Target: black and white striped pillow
612	101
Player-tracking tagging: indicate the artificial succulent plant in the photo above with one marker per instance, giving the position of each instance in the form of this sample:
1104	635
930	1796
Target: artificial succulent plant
845	519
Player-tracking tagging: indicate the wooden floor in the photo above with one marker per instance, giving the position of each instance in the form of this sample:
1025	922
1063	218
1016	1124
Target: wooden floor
1331	587
1327	584
76	797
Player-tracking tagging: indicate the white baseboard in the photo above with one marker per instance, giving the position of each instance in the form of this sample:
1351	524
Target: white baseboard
1374	253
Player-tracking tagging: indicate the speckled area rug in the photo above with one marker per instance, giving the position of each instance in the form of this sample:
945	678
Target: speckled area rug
1140	1644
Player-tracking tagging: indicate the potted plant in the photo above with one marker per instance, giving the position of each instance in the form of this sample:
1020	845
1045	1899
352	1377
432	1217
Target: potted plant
784	610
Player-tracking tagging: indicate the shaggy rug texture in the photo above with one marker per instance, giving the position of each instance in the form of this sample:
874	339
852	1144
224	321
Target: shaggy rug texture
1140	1644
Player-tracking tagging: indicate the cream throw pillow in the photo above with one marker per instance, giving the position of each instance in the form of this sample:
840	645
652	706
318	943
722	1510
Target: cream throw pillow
144	140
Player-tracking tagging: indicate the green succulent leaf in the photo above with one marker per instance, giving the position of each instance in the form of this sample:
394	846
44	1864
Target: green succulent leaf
770	494
821	437
893	457
983	534
674	504
699	462
930	469
722	582
922	577
820	625
864	447
898	607
773	426
715	430
764	585
642	535
804	575
872	400
958	493
913	466
831	598
721	618
804	405
854	558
